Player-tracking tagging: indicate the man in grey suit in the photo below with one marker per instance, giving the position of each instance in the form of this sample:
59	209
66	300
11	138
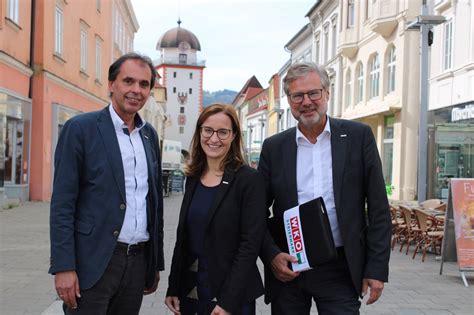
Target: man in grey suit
338	160
106	220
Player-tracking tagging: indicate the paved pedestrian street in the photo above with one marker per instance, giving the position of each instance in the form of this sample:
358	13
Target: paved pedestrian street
26	288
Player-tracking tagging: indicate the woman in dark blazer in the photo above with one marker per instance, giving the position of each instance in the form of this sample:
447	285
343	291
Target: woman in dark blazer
221	223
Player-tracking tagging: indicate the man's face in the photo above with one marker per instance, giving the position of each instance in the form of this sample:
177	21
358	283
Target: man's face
131	88
310	113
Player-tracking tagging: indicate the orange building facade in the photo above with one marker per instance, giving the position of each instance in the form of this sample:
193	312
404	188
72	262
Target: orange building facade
53	65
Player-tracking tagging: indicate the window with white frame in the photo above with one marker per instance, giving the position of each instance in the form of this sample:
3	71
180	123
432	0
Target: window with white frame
58	33
317	48
334	36
98	56
360	83
350	13
448	45
391	68
374	76
14	11
326	43
348	88
83	64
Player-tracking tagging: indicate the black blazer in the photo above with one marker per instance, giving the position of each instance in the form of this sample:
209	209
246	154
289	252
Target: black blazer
88	201
234	231
357	180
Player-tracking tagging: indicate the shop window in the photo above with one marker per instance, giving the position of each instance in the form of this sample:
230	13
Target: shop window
15	125
388	153
454	156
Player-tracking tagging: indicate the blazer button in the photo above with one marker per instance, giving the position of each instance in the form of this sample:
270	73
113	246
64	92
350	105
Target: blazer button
122	206
116	233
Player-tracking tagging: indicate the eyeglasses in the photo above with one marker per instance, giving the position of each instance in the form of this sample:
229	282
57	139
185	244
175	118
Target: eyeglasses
314	95
222	134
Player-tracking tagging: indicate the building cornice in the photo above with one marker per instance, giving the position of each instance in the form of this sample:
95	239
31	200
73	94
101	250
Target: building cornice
14	63
73	88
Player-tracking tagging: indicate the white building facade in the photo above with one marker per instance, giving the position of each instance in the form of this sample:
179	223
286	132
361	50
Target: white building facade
324	18
182	74
451	96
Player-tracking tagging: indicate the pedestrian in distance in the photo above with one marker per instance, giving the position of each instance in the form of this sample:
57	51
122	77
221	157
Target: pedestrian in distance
338	160
106	220
221	223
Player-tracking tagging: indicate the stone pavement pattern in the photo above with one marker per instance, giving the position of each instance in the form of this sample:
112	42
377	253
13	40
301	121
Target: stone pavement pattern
27	289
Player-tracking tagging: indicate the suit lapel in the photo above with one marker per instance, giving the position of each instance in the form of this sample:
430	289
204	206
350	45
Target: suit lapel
220	194
191	183
339	143
109	138
289	151
144	134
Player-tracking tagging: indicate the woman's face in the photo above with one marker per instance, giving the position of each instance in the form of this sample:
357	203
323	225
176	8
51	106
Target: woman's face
216	136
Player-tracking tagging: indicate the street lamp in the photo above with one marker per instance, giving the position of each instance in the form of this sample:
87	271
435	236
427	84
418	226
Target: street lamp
423	23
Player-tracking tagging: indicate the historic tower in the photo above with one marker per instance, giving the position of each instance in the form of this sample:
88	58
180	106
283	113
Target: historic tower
182	74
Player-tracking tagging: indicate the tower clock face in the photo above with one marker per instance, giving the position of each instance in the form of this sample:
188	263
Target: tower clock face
184	46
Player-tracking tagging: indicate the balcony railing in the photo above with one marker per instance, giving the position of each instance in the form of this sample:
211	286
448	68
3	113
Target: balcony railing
176	61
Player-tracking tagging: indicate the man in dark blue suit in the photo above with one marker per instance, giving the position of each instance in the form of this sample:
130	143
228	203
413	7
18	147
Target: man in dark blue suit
106	220
338	160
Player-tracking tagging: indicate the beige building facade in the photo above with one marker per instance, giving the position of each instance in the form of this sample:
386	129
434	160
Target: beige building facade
380	86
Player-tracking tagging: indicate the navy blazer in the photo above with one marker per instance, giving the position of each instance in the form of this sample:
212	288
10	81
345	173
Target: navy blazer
357	181
234	231
88	202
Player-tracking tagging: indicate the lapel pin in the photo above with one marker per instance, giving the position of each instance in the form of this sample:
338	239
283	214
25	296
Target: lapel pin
224	182
343	136
145	136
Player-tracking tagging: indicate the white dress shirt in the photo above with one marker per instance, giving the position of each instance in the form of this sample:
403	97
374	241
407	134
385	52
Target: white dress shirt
134	228
314	174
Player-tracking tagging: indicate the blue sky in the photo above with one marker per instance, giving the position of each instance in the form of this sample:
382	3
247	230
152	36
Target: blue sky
239	38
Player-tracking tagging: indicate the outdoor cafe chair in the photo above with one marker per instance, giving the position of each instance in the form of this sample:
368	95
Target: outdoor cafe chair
398	225
430	234
412	231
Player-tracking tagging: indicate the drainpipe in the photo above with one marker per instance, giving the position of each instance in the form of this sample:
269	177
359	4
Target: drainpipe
32	47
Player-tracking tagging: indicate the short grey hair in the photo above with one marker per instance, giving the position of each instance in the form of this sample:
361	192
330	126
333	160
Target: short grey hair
301	69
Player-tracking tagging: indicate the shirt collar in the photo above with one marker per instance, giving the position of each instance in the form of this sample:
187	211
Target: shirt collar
119	124
301	137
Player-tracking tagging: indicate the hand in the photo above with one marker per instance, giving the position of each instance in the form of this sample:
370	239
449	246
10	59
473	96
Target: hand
219	311
67	287
154	286
376	288
280	267
173	304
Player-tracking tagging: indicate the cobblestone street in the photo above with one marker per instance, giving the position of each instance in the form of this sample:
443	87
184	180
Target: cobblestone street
26	288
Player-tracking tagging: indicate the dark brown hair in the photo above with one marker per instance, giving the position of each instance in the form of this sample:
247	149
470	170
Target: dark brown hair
234	159
114	68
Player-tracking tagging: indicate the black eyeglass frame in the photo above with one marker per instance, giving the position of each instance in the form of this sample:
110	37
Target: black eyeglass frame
215	131
302	94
